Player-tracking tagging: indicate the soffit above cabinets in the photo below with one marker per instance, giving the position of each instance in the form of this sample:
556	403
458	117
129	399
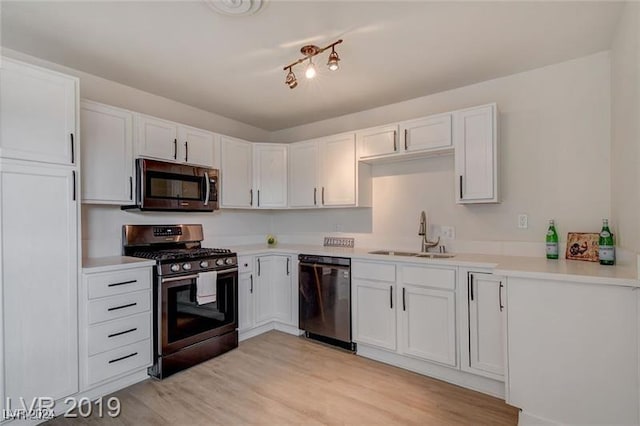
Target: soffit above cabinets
232	65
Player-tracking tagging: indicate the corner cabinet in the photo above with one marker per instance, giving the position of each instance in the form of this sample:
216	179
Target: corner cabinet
475	135
324	173
273	287
107	154
270	175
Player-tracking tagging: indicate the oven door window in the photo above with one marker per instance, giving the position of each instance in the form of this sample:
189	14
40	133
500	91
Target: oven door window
174	186
186	319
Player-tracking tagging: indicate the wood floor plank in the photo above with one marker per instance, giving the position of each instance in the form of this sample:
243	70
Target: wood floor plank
280	379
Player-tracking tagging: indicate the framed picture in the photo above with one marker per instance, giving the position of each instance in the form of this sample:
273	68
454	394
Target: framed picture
582	246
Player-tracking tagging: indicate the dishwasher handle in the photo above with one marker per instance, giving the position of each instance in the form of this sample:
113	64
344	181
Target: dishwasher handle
325	265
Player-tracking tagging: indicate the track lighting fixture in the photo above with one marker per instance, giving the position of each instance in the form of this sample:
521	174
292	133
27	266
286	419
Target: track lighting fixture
309	52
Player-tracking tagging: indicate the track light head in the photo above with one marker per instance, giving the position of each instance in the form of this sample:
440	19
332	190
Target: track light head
332	63
291	80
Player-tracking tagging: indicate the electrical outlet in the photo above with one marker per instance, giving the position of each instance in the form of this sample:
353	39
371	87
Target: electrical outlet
523	221
448	232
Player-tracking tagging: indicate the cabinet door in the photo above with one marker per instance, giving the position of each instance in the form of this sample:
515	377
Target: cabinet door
486	318
338	171
39	223
377	141
246	300
236	173
270	175
107	154
281	284
428	324
195	146
303	174
157	138
429	133
263	289
476	157
374	313
38	114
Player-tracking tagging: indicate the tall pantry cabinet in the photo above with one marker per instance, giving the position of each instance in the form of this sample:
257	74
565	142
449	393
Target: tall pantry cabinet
39	232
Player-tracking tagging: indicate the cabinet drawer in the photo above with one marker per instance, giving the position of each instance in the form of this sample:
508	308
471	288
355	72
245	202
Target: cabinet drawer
111	283
114	307
117	333
373	271
429	277
245	264
117	361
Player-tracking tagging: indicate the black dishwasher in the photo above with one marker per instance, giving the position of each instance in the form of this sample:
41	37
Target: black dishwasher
324	292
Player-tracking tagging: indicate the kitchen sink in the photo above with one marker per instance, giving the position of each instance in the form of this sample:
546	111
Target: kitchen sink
410	254
435	255
393	253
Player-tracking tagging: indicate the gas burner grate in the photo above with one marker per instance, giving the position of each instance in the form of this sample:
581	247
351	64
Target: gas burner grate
179	254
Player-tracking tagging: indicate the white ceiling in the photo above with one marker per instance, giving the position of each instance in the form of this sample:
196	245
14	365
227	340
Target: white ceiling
232	66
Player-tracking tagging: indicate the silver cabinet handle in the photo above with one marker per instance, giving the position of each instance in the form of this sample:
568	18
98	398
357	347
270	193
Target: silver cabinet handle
500	296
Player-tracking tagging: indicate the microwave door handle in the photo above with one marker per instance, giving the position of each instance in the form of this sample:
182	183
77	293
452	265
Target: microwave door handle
207	193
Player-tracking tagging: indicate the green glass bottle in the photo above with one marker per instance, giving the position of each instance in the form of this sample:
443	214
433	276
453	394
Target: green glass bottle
552	241
606	246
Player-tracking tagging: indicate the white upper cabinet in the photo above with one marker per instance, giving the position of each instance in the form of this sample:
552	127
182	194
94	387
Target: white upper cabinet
107	154
169	141
303	174
377	141
157	138
427	134
338	171
38	110
270	175
196	146
476	155
236	173
324	173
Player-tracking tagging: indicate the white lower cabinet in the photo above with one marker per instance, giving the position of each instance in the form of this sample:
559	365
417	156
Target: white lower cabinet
267	290
573	352
487	314
39	221
373	313
115	324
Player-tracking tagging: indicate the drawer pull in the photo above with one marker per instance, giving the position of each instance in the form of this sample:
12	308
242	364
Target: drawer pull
122	283
123	332
123	357
122	307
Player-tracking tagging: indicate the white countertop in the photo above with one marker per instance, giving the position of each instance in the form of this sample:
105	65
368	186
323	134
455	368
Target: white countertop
510	266
92	265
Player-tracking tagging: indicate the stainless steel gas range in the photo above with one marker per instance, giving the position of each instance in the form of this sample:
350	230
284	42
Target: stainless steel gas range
195	295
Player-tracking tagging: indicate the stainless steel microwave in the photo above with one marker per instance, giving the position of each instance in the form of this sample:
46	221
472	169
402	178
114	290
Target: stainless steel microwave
174	187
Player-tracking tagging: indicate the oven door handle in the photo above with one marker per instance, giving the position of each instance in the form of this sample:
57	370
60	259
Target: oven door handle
208	189
180	278
227	271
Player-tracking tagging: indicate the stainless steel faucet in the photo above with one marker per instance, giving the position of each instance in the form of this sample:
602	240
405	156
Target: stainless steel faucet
422	231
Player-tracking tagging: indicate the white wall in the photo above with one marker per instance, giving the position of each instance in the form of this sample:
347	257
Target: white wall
555	156
625	128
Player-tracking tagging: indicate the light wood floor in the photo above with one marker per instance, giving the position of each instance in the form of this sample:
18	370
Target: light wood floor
279	379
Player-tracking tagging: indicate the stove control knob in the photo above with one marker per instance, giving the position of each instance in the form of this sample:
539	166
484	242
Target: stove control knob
186	266
204	264
220	262
175	267
229	261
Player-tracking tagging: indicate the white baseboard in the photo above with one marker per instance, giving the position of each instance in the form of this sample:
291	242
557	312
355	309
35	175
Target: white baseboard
447	374
528	419
273	325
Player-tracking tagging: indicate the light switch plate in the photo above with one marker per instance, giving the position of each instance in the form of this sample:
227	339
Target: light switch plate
448	232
